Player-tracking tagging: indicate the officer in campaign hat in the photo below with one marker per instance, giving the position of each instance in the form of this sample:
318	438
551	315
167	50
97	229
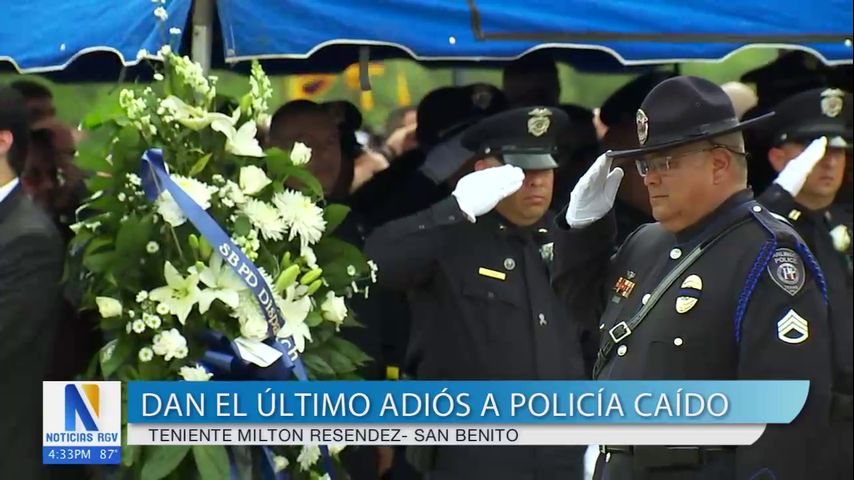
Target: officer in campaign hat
812	135
476	270
717	289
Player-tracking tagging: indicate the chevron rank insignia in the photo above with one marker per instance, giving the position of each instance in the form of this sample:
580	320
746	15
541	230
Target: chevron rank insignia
793	328
787	270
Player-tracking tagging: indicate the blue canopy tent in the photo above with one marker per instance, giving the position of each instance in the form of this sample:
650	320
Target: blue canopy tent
632	32
85	39
93	39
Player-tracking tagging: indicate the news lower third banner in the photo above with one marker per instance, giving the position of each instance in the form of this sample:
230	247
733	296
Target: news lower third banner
459	412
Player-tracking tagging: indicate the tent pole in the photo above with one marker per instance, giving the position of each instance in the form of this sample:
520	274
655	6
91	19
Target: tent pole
202	39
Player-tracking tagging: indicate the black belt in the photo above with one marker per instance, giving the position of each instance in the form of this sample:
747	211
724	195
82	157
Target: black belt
650	456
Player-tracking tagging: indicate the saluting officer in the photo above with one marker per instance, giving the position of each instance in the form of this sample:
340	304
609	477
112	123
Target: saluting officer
717	289
476	270
805	188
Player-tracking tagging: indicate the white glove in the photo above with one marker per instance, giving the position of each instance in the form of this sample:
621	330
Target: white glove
480	191
593	195
795	173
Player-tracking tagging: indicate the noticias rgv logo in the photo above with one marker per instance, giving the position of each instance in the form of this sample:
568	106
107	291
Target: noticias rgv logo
83	403
75	406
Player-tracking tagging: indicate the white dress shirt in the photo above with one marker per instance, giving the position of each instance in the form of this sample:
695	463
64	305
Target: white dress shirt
5	190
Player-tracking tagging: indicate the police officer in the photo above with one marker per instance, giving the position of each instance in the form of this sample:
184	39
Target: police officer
803	192
476	268
717	289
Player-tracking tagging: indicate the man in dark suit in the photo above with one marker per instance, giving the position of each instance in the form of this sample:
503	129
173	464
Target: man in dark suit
31	257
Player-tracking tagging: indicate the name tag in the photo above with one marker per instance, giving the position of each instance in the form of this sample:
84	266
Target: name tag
492	273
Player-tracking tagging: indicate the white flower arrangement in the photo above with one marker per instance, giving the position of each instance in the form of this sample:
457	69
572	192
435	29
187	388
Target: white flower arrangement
154	279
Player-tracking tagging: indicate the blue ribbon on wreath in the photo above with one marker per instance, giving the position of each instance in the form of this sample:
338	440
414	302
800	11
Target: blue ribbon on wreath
223	357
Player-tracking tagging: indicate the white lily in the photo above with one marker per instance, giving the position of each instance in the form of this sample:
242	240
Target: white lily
241	141
223	284
180	294
298	330
294	309
189	116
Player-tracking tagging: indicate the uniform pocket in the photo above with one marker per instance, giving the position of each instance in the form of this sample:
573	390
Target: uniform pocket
679	357
496	292
510	292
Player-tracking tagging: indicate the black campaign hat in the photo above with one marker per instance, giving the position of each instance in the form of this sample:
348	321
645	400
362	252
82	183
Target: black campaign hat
525	137
814	113
684	110
622	105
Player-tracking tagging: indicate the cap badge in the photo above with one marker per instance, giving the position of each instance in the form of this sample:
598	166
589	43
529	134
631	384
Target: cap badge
643	126
539	122
832	102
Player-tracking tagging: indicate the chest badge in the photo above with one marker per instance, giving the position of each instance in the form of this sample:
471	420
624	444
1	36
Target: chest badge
689	293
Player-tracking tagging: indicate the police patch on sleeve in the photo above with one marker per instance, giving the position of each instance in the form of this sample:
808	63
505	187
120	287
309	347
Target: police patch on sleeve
787	270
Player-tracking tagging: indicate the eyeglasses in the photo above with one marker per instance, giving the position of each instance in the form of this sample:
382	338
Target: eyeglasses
665	163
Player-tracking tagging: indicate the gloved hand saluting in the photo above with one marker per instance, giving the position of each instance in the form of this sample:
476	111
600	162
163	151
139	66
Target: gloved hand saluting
480	191
795	173
593	195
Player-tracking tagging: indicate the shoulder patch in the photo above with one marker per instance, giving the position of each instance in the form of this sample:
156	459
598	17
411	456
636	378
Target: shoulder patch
787	270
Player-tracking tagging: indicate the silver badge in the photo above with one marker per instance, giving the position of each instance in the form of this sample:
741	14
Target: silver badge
539	122
643	126
793	328
509	263
787	270
832	102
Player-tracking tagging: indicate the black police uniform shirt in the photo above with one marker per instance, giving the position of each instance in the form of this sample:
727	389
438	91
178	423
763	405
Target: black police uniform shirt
830	242
733	314
480	297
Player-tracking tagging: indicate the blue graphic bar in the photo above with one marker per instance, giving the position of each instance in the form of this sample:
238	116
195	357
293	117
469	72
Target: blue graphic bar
81	455
484	402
